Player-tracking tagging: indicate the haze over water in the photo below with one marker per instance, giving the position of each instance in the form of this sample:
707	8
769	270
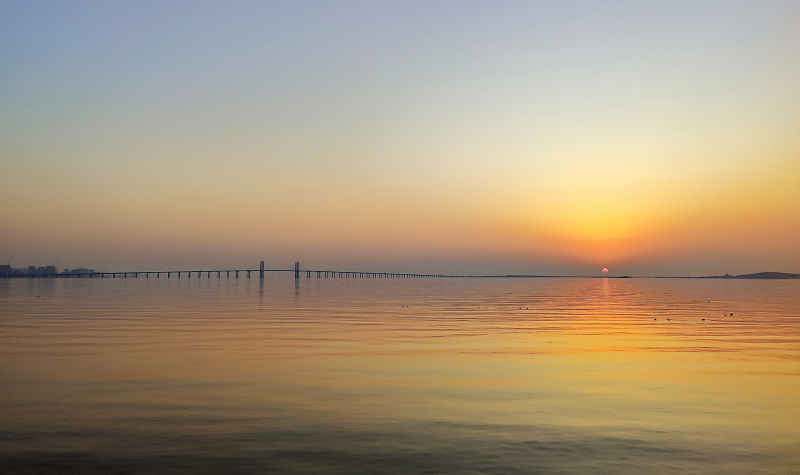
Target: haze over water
399	376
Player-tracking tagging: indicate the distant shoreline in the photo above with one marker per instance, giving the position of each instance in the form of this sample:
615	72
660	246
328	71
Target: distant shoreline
759	276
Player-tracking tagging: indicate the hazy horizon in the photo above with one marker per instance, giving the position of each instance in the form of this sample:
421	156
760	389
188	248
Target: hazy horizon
457	138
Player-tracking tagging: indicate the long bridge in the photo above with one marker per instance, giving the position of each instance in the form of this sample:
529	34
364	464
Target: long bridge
241	273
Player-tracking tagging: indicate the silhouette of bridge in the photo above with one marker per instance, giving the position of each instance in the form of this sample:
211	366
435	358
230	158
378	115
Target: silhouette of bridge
295	270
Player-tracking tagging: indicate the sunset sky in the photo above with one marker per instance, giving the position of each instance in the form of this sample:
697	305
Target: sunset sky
538	137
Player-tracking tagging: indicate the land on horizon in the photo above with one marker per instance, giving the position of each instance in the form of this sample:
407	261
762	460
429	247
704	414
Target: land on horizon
757	275
7	271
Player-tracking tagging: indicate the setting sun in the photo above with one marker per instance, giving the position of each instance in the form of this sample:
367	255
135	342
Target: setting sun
605	270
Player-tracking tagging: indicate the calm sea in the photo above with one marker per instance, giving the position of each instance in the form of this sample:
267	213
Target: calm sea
399	376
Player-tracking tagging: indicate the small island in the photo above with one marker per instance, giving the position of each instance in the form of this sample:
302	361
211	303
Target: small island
758	275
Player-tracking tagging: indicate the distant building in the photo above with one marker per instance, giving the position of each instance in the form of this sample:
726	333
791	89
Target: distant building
39	271
81	270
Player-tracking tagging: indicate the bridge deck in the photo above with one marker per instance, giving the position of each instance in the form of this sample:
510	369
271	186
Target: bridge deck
239	273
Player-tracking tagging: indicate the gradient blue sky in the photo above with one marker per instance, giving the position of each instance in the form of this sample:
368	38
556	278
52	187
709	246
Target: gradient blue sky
649	137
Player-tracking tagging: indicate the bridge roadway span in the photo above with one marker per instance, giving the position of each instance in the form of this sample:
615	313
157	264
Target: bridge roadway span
241	273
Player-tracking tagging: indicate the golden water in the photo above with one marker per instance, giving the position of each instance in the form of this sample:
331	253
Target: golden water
401	376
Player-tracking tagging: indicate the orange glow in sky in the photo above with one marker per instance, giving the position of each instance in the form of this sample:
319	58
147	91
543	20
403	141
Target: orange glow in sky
652	138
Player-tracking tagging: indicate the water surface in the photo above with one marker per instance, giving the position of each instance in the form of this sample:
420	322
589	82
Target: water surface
399	376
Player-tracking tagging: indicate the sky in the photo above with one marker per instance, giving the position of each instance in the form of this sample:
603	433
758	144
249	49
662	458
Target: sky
652	138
